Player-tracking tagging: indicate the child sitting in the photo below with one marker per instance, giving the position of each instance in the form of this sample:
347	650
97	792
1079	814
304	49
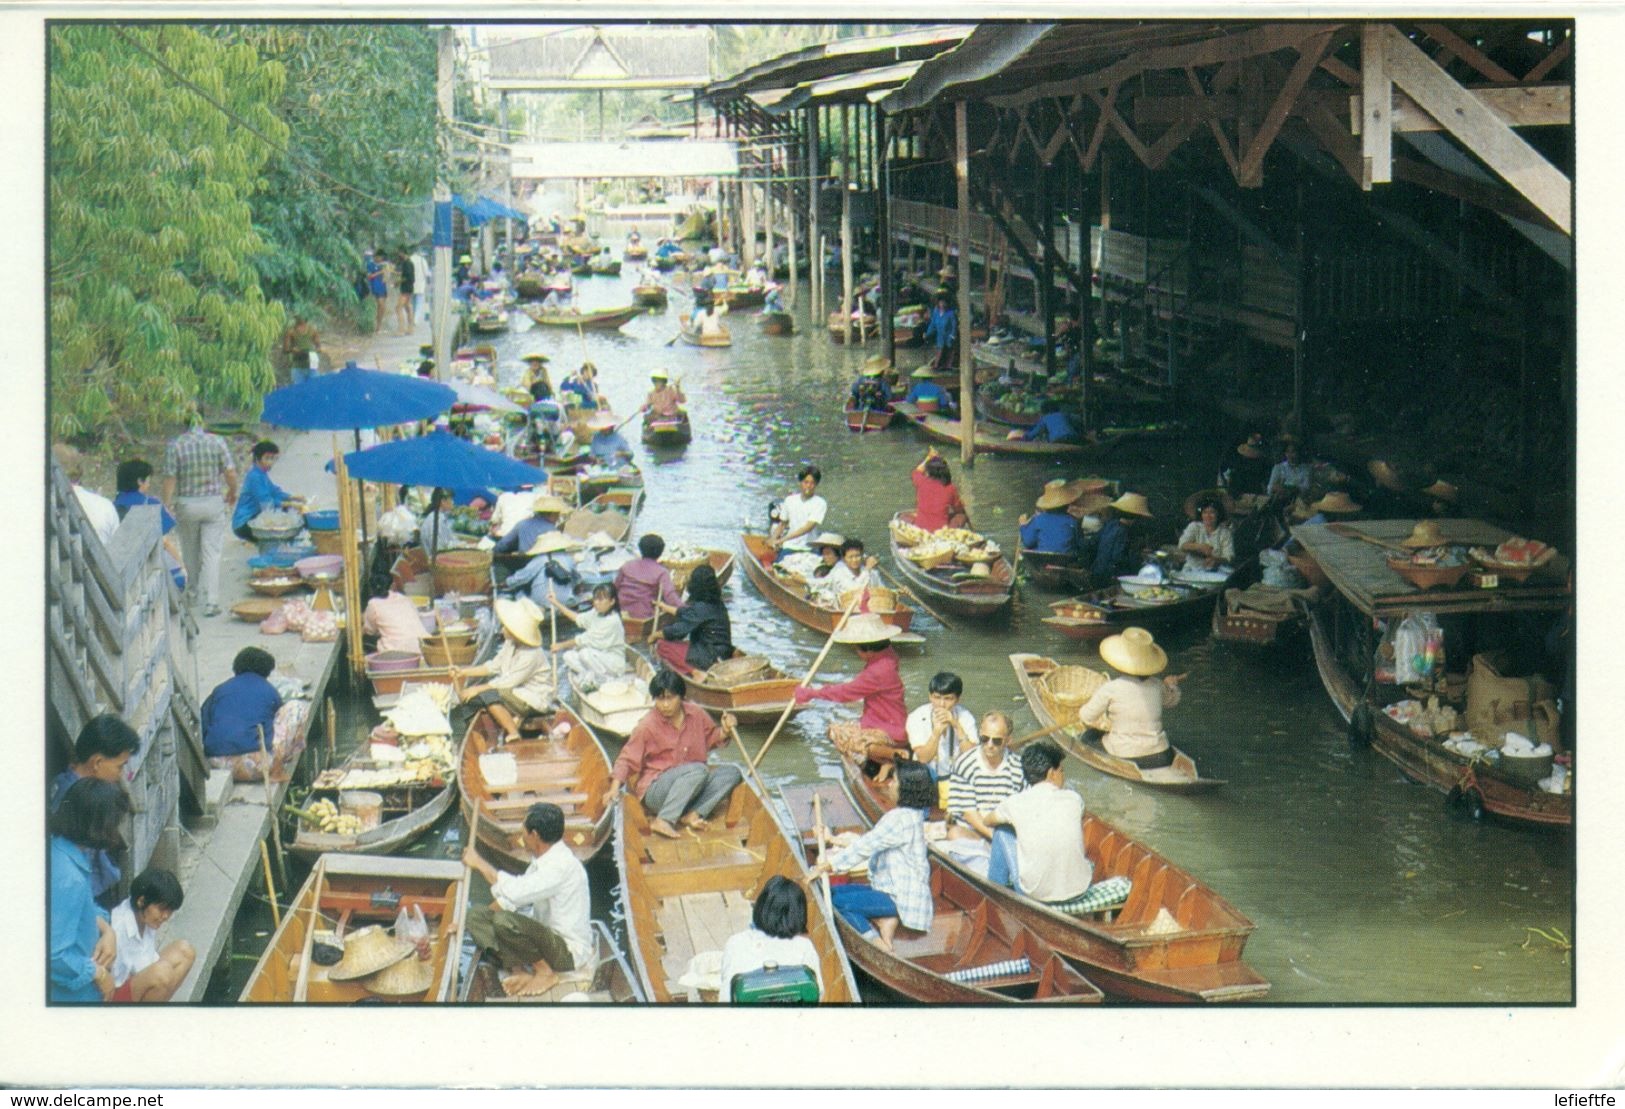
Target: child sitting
141	972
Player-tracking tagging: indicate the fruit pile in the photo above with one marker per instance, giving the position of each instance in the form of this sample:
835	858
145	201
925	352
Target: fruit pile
324	816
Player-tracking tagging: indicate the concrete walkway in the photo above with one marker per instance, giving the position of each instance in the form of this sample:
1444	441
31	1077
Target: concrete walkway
220	853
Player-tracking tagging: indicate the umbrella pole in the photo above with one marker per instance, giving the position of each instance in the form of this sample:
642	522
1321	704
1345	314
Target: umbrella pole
363	507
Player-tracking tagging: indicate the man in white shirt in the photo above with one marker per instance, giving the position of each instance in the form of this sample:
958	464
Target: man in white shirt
538	922
510	509
800	514
1038	833
99	511
941	728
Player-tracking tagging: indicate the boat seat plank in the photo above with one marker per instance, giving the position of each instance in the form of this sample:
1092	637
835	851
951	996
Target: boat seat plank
670	881
520	805
679	947
942	939
710	922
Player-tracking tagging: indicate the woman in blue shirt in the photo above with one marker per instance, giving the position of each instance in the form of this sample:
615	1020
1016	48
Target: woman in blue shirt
259	491
82	942
942	329
134	478
1114	550
240	716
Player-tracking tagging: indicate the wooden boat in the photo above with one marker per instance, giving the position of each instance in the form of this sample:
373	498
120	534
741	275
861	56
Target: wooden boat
722	564
862	331
604	319
686	896
1103	442
559	283
609	981
664	262
529	286
488	323
967	931
408	812
604	269
635	252
868	419
346	892
759	698
1051	570
777	323
1181	776
1259	626
573	774
950	588
388	683
1106	612
649	296
667	431
1191	953
693	337
1340	632
580	268
741	296
616	721
990	409
478	352
790	597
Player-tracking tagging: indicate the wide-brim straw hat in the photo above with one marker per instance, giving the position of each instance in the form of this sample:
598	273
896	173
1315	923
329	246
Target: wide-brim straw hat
1336	502
535	356
602	422
1057	494
1227	507
1134	652
620	695
866	627
1091	503
658	375
1090	484
827	539
923	372
550	542
367	951
878	360
873	370
519	623
1385	475
407	978
1134	504
1247	450
1442	491
1426	533
979	570
548	502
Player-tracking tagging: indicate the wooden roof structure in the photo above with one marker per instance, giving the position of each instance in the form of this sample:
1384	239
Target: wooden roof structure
659	56
839	58
1359	570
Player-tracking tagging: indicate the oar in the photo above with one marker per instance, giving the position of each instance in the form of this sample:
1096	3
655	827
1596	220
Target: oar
750	767
1349	531
1041	733
857	596
911	595
818	830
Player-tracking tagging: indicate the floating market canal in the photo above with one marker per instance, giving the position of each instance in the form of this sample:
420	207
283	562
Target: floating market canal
1360	886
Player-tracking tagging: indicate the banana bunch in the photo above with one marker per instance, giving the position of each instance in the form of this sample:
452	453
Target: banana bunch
326	817
961	537
907	534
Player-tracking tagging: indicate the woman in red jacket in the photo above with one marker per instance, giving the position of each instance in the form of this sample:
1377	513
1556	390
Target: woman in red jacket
936	501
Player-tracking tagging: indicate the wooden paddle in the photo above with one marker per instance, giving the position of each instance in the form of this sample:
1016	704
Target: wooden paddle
911	595
1040	734
270	806
750	767
817	662
1349	531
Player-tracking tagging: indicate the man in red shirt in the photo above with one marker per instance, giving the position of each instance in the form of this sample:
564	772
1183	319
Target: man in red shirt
881	732
643	581
664	760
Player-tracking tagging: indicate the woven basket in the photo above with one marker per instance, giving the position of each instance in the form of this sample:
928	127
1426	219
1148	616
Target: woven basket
1427	577
328	542
881	599
931	562
435	654
738	671
462	572
1070	686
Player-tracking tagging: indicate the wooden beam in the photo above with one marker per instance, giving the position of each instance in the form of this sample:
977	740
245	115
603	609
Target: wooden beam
1481	194
967	368
1560	54
1056	141
1101	124
1492	141
1214	127
1519	106
1341	70
1466	51
1376	109
1251	172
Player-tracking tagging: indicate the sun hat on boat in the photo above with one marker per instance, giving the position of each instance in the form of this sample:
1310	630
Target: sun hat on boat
1227	506
1253	447
878	360
548	502
406	978
1384	474
1336	502
1090	484
519	623
1134	504
1091	503
866	627
658	374
874	370
601	421
1134	652
924	372
1057	494
367	951
620	695
1426	533
551	542
535	356
979	570
827	539
1443	491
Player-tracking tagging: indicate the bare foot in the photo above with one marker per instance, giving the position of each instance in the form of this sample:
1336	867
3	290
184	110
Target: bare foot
694	821
511	737
661	828
880	941
526	984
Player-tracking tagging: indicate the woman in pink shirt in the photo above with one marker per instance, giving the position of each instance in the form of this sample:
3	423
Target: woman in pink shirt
643	581
393	618
936	501
880	733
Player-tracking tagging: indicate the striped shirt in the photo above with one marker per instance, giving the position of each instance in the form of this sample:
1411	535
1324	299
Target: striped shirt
898	867
197	461
976	787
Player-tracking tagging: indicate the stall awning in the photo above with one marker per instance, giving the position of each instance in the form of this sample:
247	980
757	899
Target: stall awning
483	209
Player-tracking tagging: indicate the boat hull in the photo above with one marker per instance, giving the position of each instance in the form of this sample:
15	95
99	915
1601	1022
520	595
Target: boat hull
983	598
869	419
668	433
607	320
757	558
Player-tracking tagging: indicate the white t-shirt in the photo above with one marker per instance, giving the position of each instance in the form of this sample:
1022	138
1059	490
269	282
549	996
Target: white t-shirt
137	946
553	891
798	511
510	509
752	950
962	736
1049	841
100	511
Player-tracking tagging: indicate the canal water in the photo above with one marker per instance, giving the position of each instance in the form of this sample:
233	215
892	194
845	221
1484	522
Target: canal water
1360	886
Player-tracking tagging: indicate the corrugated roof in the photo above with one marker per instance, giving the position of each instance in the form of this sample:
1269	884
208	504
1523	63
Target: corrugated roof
851	88
830	59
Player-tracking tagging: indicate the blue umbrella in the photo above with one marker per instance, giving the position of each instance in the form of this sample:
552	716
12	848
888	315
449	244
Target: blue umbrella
441	459
355	398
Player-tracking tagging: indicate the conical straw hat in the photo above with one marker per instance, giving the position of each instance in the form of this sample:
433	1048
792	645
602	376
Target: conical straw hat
1134	652
1134	504
866	627
1442	491
1336	502
1056	494
407	978
367	951
550	541
547	502
1091	503
520	624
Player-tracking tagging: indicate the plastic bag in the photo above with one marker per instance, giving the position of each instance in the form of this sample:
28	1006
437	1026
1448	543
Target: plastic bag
398	525
1277	571
411	927
1418	649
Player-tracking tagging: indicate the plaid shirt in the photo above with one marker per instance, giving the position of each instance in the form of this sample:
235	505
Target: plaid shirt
197	461
895	850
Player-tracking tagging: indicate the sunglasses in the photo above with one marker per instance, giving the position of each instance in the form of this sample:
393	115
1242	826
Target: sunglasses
994	740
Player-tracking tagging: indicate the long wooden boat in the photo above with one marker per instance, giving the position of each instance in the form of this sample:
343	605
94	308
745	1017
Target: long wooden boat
488	323
722	563
559	283
1108	611
604	269
741	296
1051	570
868	419
1174	940
1259	627
609	981
968	932
693	337
950	588
1340	632
573	774
408	812
1103	442
790	597
667	431
685	897
617	721
347	892
990	409
529	286
1182	776
635	252
604	319
649	296
862	330
604	513
665	262
777	323
759	700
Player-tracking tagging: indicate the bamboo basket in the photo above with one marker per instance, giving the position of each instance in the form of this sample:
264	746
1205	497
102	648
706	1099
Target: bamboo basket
1068	687
462	572
1427	577
435	651
738	671
931	562
328	542
881	599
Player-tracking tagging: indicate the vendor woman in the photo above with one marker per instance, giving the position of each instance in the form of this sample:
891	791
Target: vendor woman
520	681
1208	541
239	717
1125	714
881	732
259	492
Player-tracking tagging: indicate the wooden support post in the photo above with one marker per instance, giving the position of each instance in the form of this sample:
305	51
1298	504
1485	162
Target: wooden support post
883	233
1105	182
768	208
1376	110
846	258
747	221
1299	421
791	219
1046	201
1086	297
967	374
815	238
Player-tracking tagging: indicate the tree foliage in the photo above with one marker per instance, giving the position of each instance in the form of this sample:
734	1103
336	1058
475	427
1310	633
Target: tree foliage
155	303
359	106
